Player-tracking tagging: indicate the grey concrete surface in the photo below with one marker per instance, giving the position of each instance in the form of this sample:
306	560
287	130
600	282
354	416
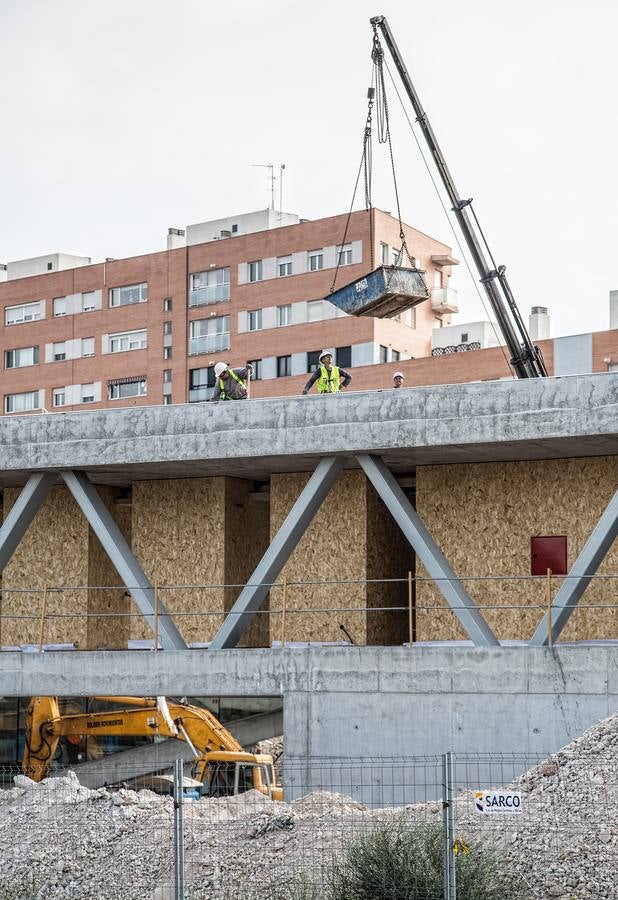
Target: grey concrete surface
345	702
528	419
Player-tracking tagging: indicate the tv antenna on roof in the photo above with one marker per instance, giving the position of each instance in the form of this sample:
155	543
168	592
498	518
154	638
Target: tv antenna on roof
271	176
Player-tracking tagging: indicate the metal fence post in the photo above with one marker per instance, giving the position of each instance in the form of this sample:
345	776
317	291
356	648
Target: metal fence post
448	778
179	832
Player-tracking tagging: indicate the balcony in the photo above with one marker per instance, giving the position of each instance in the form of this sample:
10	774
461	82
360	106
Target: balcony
209	343
444	301
198	395
211	293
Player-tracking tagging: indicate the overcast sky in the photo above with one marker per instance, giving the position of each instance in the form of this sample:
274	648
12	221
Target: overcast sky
121	118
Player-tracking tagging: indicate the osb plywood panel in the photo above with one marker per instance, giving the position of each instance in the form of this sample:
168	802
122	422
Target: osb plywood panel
333	548
483	517
108	600
178	533
389	556
246	540
54	551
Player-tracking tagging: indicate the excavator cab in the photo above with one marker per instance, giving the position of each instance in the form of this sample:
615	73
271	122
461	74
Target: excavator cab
228	778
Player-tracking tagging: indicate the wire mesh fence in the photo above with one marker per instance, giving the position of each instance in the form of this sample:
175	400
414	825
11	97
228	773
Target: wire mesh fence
472	827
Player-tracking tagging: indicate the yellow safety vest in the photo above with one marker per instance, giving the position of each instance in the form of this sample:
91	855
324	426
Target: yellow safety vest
223	394
328	382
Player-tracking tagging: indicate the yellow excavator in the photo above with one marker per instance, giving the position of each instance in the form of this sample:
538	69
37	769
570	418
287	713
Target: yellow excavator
221	765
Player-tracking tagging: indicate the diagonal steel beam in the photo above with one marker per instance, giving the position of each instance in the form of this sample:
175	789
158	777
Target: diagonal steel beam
584	567
296	523
428	551
119	552
23	512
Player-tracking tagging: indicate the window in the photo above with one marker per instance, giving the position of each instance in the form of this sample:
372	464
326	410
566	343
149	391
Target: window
284	314
59	396
343	356
397	257
129	340
257	369
88	346
201	383
167	353
284	266
316	260
50	266
411	317
87	393
313	360
344	254
88	301
254	320
167	376
167	399
383	353
314	311
437	278
209	287
167	304
384	254
234	229
209	335
131	293
21	402
167	328
60	306
284	366
464	337
123	390
396	356
59	351
17	359
254	270
26	312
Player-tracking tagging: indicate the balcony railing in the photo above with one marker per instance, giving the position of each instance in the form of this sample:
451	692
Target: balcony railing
209	343
197	395
444	300
211	293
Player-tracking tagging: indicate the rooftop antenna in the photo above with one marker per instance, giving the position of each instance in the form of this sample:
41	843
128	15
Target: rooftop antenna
281	168
271	176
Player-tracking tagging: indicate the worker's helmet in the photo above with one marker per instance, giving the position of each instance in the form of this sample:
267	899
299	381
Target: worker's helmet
398	375
325	353
220	368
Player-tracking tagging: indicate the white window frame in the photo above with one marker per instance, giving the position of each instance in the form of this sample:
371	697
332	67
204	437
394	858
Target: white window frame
56	394
284	266
212	286
88	307
385	254
317	255
91	352
133	343
22	365
114	294
254	320
255	271
59	355
36	401
344	255
62	301
214	338
314	305
31	312
284	315
87	398
141	389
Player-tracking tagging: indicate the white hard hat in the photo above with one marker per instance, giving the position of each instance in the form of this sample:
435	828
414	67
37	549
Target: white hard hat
220	368
325	353
398	375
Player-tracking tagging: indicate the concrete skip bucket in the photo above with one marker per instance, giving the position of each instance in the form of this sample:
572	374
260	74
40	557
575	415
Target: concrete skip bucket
386	291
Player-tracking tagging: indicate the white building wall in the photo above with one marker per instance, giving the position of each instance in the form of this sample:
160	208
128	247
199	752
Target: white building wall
39	265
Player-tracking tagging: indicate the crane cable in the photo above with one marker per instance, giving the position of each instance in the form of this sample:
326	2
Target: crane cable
451	226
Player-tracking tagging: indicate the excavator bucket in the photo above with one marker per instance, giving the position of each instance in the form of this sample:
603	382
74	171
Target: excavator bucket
387	291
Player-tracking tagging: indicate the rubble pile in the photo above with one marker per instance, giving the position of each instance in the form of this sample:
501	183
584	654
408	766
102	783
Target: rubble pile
61	840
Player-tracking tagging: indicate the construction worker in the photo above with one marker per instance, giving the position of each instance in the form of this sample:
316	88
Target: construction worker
328	376
231	384
398	379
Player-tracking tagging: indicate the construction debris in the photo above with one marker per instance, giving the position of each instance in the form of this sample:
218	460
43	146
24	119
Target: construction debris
61	840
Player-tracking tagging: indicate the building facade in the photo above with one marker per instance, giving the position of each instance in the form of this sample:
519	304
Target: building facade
149	329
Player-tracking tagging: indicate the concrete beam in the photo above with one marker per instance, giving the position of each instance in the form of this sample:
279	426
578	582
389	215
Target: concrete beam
119	552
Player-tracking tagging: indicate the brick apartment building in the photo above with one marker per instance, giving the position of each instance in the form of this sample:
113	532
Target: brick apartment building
149	329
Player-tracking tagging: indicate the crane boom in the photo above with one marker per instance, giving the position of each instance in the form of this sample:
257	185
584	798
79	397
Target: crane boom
526	358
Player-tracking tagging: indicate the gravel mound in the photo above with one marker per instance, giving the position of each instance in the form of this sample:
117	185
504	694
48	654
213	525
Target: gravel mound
61	840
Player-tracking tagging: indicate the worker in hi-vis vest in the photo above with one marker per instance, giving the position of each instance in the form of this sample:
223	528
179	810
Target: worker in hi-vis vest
328	376
231	384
